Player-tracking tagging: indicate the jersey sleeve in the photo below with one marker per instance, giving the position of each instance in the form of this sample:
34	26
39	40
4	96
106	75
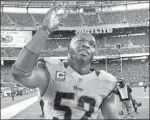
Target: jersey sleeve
52	65
108	81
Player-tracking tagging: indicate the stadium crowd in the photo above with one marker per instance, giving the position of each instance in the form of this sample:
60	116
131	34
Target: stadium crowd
79	19
106	46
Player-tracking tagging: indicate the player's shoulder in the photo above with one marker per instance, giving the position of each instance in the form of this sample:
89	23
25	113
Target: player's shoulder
50	60
52	65
108	80
42	62
107	76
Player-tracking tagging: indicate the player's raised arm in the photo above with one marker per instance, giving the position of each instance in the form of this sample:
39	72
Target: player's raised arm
25	70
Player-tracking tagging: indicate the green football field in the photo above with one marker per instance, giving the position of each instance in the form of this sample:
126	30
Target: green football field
33	111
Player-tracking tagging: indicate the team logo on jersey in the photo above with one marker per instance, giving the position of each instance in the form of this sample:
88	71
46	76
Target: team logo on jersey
120	112
77	88
80	80
60	76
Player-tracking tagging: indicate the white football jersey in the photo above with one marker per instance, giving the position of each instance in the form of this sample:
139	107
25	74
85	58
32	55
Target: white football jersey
73	96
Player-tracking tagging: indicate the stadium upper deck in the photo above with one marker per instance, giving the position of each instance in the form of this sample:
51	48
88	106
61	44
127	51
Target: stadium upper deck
79	19
82	13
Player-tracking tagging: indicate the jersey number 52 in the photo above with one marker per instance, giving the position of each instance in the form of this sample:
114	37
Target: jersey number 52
67	110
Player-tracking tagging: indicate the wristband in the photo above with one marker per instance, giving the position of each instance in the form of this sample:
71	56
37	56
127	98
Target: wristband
31	50
46	29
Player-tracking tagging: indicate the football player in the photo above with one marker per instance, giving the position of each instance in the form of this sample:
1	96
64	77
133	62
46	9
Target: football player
69	89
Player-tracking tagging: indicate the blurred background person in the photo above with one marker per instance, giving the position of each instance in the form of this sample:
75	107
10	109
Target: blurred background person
13	93
41	102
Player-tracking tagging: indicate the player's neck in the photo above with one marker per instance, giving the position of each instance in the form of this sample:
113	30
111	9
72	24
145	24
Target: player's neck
79	68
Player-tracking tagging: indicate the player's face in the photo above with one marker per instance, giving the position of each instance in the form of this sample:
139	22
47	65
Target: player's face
83	48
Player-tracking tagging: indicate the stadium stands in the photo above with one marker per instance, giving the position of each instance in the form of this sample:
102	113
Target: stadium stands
80	19
135	70
140	40
137	16
115	2
132	70
104	51
38	18
40	3
114	67
5	21
132	50
4	72
62	51
126	40
48	53
112	17
90	19
22	20
130	16
51	44
73	20
107	51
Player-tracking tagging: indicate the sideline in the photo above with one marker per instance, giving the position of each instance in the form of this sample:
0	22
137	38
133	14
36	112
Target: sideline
12	110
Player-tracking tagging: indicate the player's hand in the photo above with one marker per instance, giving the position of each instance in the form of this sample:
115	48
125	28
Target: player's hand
52	20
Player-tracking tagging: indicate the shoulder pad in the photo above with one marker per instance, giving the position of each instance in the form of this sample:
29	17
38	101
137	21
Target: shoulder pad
53	65
107	79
